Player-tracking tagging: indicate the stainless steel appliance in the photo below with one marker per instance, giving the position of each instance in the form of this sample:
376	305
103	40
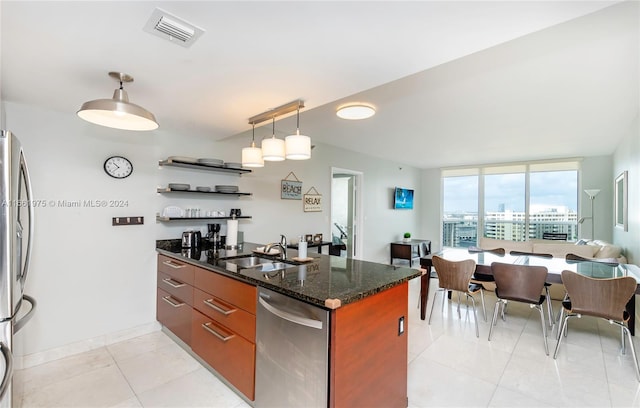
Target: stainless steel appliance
16	238
191	239
292	355
213	235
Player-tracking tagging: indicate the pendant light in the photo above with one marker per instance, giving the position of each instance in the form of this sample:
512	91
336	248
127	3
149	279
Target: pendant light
297	147
273	149
252	156
118	112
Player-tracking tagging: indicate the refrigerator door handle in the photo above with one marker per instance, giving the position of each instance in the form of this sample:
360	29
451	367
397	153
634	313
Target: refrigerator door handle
6	379
24	319
27	181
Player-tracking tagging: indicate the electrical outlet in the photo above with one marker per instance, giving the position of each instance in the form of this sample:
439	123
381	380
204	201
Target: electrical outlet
400	326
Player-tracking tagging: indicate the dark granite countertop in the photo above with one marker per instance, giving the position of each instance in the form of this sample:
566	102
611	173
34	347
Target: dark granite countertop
327	281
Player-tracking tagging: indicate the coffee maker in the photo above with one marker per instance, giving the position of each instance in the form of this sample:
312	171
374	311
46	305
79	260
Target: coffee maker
213	235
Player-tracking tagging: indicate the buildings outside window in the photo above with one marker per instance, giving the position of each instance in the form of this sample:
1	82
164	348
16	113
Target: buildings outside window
515	202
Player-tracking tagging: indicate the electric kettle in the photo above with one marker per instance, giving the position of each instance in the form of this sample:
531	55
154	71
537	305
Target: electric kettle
191	239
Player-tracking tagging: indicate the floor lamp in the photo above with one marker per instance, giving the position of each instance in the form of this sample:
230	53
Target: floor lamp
592	196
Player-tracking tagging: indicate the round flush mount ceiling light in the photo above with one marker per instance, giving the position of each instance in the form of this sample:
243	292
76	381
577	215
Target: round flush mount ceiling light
118	112
355	111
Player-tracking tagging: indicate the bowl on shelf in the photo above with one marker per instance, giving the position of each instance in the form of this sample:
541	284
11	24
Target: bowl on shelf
226	189
179	186
204	189
230	165
183	159
211	162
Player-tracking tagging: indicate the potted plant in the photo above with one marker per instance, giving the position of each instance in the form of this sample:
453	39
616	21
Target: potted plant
407	237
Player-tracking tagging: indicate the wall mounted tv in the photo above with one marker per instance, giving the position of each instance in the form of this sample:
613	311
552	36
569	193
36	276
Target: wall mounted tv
403	199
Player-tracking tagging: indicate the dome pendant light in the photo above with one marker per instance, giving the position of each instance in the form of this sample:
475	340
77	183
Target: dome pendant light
273	148
297	147
252	156
118	112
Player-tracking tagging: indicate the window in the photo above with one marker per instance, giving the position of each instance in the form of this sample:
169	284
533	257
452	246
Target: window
511	202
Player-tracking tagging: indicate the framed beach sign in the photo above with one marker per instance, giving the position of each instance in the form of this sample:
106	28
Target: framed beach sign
291	188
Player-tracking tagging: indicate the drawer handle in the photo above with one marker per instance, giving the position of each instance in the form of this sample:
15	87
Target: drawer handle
174	266
211	304
173	283
170	301
208	327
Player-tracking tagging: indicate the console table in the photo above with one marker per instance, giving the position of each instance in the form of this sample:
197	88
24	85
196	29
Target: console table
409	250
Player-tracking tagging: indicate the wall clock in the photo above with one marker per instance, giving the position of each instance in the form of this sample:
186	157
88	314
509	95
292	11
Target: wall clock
118	167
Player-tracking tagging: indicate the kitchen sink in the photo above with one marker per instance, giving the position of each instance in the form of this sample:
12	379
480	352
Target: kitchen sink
248	262
259	264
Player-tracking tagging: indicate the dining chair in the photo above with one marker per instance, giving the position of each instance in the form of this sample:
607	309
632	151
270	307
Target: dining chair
495	251
603	298
483	278
456	276
547	285
519	283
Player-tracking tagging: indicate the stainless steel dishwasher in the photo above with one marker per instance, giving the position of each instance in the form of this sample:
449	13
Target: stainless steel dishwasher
292	352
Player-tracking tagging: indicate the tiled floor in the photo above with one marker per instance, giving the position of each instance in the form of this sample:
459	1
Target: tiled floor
448	366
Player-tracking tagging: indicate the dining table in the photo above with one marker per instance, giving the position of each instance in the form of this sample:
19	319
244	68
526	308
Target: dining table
555	266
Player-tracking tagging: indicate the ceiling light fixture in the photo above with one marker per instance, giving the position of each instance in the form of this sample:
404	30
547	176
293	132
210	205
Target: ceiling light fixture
297	147
273	148
118	112
355	111
252	156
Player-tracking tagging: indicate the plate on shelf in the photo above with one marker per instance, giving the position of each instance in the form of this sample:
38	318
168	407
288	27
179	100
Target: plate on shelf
172	211
211	162
233	165
203	189
179	186
183	159
226	189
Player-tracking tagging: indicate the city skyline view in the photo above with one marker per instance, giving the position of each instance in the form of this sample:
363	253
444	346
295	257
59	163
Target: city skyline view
507	192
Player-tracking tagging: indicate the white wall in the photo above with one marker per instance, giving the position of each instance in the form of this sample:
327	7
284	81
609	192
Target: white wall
93	280
627	157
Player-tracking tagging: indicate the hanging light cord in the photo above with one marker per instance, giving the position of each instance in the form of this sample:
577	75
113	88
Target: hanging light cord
273	131
253	134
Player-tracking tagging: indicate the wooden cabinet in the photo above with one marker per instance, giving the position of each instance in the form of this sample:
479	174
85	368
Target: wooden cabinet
368	358
214	315
224	327
175	296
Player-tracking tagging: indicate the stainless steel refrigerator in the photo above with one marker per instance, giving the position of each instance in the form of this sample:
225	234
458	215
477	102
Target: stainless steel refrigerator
16	238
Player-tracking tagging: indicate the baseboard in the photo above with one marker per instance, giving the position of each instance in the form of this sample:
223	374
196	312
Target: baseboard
31	360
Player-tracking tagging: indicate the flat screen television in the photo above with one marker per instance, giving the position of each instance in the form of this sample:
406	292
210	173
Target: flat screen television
403	199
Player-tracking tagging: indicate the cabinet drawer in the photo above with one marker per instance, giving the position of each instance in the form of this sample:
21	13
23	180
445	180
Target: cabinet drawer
230	316
176	288
175	315
228	353
177	269
229	290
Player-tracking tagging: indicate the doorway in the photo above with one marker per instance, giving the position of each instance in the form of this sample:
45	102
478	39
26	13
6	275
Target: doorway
346	212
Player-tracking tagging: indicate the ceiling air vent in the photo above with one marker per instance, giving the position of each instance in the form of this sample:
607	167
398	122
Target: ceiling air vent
172	28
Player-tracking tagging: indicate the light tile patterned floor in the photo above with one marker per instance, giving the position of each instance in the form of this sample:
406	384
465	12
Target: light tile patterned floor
448	367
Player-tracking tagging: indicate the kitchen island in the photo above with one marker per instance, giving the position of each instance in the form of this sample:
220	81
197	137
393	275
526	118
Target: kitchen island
366	303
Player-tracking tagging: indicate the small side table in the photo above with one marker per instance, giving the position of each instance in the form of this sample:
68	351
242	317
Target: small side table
409	250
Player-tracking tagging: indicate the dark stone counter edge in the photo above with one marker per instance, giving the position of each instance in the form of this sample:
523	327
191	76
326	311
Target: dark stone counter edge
344	300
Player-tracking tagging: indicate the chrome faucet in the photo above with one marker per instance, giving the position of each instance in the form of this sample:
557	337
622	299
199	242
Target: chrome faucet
282	244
